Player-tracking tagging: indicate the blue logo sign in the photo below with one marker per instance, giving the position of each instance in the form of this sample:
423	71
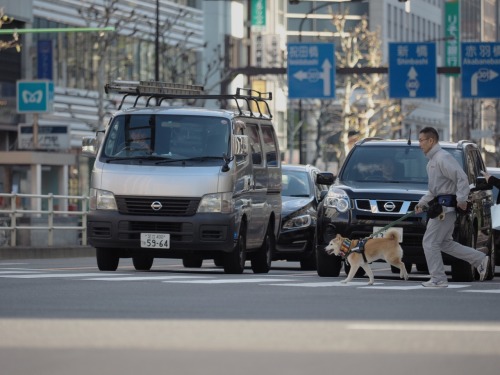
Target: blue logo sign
480	70
311	70
412	70
35	96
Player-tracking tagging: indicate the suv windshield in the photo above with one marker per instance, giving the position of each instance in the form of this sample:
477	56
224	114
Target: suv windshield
383	164
167	136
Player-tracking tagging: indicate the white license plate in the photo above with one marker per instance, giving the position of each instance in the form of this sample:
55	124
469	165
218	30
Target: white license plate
155	240
382	234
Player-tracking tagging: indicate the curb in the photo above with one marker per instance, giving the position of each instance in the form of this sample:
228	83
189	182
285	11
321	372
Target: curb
32	252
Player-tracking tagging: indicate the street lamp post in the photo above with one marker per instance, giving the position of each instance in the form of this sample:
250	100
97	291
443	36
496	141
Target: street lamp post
301	157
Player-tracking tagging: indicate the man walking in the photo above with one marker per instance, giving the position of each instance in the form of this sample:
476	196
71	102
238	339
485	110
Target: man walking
446	180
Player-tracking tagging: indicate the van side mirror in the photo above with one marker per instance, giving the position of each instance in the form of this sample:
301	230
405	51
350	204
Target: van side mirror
89	146
240	145
325	178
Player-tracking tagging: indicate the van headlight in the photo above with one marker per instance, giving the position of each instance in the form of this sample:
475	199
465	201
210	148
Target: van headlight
102	200
301	221
338	199
218	202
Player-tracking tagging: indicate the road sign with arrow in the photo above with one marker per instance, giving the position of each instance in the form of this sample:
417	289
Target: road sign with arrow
480	70
412	70
311	70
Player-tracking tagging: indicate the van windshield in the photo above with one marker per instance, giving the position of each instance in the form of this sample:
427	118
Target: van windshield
167	136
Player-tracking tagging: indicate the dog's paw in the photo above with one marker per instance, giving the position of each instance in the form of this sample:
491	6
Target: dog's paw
344	281
370	283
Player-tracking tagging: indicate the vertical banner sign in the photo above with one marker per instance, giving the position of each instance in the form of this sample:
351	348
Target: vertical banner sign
44	57
452	33
259	13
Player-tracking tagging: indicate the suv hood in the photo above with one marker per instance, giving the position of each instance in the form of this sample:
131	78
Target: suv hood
383	187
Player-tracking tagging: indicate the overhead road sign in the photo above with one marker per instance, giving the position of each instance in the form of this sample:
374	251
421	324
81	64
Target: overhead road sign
35	96
412	70
480	70
311	70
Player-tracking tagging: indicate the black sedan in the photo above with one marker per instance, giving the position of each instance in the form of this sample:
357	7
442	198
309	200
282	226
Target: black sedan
300	197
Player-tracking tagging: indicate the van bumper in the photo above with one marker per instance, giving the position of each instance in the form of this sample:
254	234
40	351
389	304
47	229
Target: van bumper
202	233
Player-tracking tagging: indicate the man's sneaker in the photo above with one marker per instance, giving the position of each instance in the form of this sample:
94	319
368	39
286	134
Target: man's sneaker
435	284
483	267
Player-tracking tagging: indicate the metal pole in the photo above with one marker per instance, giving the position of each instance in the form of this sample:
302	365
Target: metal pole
157	42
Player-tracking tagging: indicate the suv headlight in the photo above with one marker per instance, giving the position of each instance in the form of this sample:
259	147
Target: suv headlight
102	200
301	221
218	202
338	199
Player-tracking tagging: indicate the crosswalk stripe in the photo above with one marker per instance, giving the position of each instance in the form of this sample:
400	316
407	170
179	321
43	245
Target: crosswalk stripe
322	284
53	275
142	278
227	281
492	291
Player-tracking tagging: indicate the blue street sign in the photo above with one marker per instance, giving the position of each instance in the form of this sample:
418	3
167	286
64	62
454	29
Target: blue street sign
480	70
35	96
44	58
412	70
311	70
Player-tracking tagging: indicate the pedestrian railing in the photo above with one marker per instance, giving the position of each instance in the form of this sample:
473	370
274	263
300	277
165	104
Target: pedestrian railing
46	214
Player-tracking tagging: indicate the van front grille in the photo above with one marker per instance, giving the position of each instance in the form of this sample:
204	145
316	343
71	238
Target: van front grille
157	206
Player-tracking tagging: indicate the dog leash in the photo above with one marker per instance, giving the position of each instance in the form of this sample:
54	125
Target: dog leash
390	225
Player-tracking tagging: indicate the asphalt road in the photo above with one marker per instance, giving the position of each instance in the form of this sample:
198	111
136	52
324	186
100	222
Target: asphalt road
63	316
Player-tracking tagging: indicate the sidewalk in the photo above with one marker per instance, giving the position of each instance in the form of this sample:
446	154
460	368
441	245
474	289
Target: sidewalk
33	252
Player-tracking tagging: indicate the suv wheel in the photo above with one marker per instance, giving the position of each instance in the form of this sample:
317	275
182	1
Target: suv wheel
142	262
327	265
462	270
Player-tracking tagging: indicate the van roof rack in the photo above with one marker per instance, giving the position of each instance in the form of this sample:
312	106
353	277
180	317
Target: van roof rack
165	90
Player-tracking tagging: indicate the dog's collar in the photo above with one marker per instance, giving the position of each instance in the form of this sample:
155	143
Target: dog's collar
345	248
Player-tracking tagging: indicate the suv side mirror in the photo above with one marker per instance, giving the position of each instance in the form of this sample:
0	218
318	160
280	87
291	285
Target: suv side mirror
481	184
325	178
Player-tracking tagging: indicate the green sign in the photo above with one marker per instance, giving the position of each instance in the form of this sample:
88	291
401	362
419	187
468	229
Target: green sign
259	13
452	33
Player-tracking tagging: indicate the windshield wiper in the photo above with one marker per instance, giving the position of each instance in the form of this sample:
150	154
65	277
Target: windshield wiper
195	158
146	157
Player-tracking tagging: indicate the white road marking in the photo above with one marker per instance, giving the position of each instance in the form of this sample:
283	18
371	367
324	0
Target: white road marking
228	281
54	275
323	284
413	287
141	278
492	291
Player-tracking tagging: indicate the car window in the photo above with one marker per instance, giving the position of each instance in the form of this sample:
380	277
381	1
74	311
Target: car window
295	184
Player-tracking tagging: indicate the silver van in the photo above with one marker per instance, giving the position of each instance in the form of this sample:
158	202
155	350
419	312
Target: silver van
174	181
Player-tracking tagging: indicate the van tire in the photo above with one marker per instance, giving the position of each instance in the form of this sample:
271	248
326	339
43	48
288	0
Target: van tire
107	259
262	259
142	262
234	262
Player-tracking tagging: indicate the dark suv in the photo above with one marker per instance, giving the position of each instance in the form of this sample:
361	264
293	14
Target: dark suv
363	199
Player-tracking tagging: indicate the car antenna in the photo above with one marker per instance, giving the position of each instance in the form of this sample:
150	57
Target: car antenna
409	139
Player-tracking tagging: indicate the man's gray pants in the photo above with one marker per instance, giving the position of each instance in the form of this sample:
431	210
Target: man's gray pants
439	237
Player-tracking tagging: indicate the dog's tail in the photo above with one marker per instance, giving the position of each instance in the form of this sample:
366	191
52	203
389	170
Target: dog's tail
392	234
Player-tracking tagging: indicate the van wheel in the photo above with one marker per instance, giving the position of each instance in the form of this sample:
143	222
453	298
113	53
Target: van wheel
192	262
261	260
142	262
107	259
327	265
234	262
462	270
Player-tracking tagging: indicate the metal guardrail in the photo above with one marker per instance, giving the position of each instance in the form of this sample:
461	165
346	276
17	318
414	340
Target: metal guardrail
12	213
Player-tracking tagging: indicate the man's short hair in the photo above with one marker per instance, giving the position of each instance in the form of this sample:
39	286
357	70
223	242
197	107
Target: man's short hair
430	132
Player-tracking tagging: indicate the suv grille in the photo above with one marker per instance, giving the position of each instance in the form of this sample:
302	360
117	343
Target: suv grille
384	206
169	206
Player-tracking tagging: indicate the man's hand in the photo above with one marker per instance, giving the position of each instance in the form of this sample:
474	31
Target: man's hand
462	205
418	209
